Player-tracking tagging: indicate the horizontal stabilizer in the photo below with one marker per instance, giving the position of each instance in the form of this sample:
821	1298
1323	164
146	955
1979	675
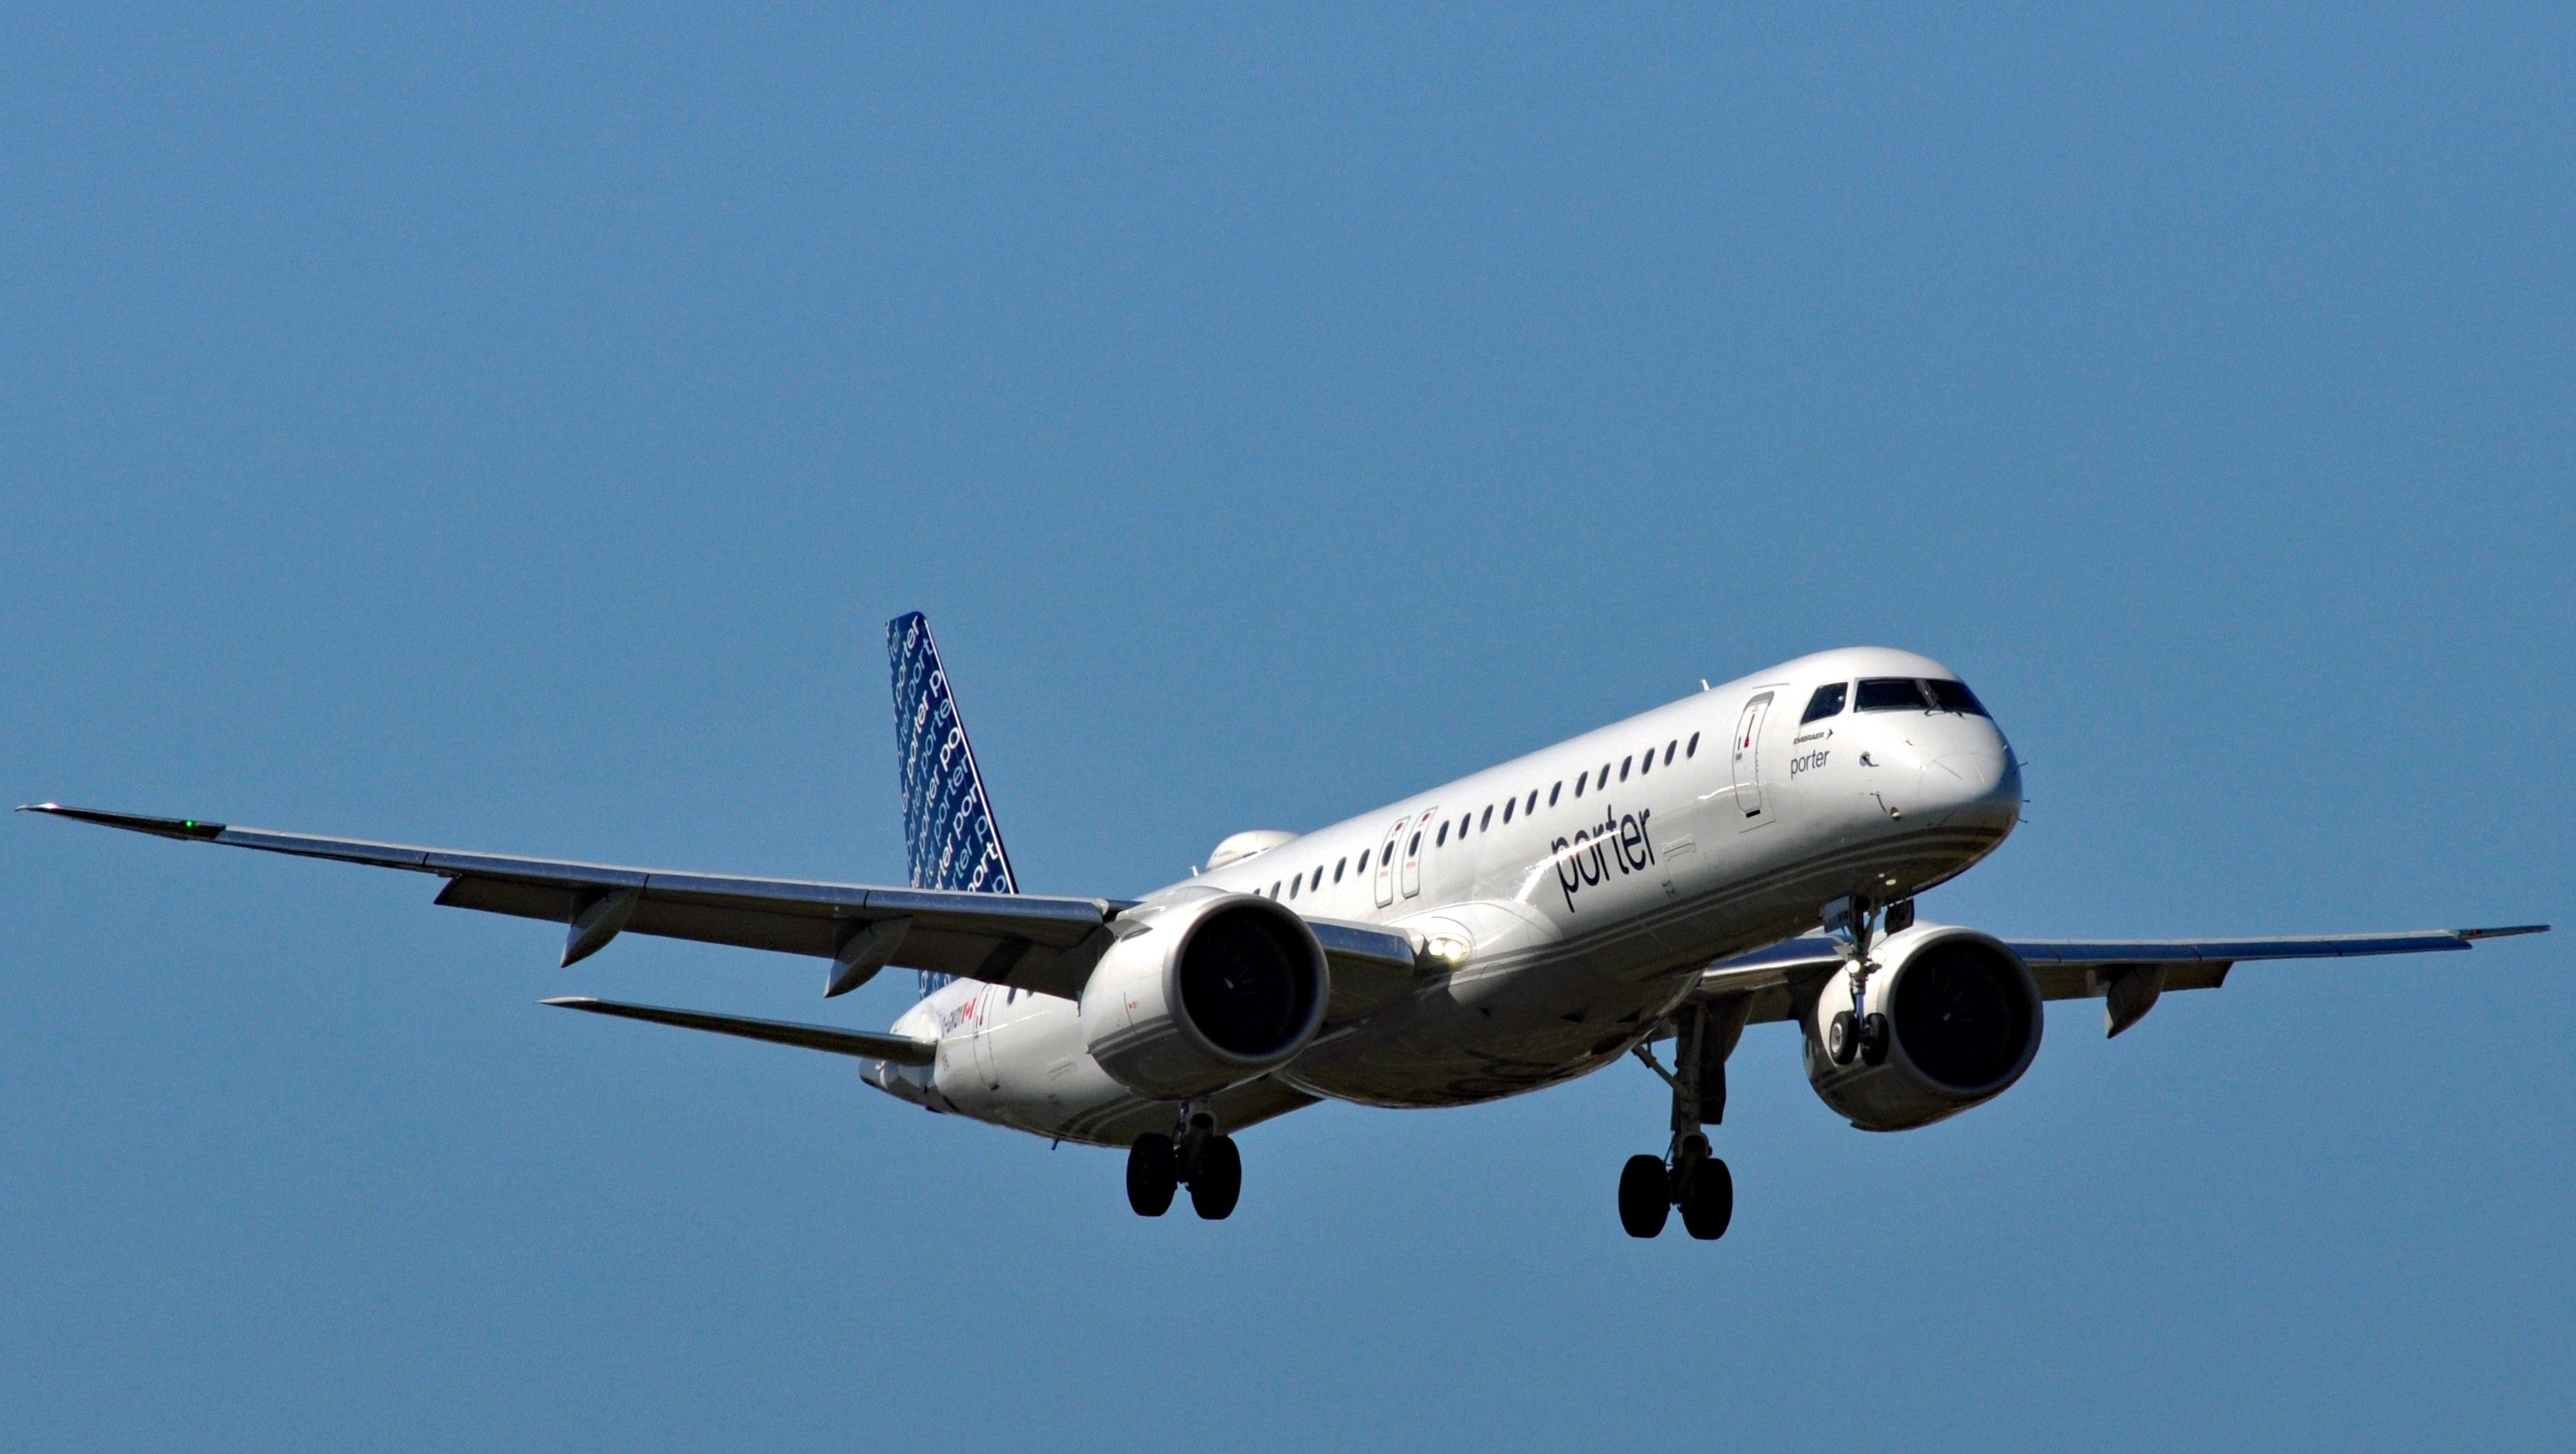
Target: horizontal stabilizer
900	1049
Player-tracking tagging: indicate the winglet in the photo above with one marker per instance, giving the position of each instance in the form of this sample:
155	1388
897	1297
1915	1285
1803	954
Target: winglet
183	828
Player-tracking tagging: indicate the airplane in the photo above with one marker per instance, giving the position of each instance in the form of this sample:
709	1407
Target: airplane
1747	855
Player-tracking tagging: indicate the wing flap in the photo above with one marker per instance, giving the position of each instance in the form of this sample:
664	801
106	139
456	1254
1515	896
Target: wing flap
2090	981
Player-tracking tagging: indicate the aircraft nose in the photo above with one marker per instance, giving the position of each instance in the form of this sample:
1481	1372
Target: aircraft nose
1976	788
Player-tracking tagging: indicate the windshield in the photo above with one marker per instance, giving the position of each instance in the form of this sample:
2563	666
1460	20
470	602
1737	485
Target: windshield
1916	694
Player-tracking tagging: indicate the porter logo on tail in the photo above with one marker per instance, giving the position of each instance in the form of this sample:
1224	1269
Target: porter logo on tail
948	829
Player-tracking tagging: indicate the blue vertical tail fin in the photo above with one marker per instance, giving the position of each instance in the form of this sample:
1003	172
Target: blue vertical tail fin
949	835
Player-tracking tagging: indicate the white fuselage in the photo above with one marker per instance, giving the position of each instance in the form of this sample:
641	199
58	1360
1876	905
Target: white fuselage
1578	889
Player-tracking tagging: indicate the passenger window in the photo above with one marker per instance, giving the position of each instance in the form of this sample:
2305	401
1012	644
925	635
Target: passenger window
1693	749
1532	805
1274	888
1388	856
1508	805
1338	865
1669	749
1648	764
1827	702
1315	877
1580	779
1443	838
1487	820
1552	792
1955	697
1292	886
1413	847
1625	763
1604	779
1892	694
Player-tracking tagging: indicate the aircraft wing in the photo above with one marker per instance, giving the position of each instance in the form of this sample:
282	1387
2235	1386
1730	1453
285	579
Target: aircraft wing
1036	943
1044	944
2127	974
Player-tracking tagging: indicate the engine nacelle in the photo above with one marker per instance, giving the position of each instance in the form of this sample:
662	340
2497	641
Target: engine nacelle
1963	1017
1203	995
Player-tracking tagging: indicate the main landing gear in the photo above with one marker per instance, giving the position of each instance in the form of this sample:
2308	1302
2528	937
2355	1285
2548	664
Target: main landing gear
1688	1176
1695	1181
1200	1158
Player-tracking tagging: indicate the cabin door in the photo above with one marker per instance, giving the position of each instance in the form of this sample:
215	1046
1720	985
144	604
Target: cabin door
1748	758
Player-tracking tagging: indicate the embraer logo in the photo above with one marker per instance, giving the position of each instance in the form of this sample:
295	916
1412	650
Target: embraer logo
1617	840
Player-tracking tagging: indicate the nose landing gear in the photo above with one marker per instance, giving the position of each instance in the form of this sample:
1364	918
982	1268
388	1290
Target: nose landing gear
1865	1036
1688	1175
1200	1158
1858	1031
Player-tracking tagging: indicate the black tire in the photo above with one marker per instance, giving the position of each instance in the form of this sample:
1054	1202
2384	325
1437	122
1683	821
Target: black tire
1708	1201
1217	1182
1873	1040
1153	1174
1645	1195
1841	1037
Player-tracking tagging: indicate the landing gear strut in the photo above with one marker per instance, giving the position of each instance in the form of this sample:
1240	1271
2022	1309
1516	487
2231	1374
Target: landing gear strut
1200	1158
1688	1175
1858	1031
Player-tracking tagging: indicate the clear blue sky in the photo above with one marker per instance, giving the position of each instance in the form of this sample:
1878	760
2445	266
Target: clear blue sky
511	429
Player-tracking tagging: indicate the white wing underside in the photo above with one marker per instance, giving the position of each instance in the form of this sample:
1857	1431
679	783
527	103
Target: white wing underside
2078	969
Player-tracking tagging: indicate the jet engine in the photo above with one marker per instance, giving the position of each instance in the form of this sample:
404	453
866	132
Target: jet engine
1204	994
1961	1023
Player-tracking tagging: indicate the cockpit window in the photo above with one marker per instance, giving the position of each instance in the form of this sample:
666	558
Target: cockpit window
1909	694
1892	694
1827	702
